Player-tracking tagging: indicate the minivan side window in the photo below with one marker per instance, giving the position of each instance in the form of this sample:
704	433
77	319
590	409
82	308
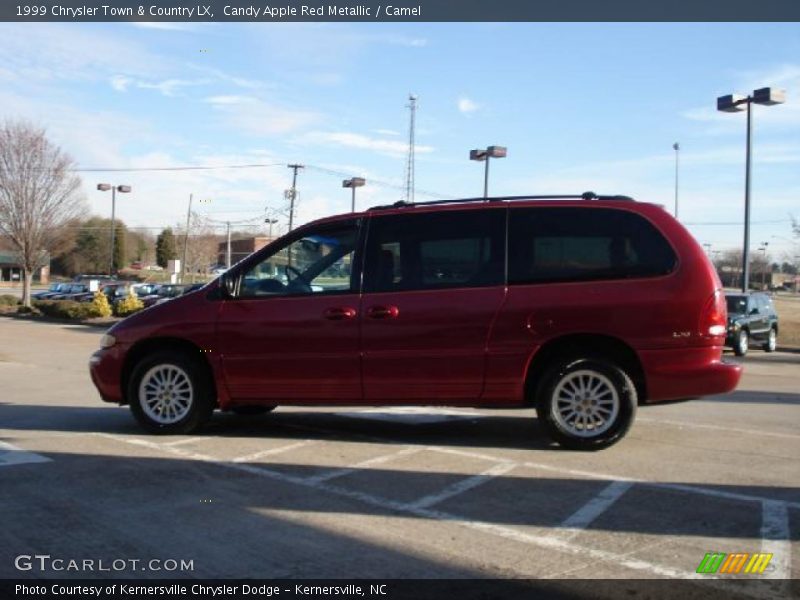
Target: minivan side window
580	244
435	250
318	262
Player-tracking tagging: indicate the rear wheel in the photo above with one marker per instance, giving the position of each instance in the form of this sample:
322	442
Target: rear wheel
772	341
169	393
742	343
586	403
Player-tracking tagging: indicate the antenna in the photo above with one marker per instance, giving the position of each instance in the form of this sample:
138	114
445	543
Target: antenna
409	192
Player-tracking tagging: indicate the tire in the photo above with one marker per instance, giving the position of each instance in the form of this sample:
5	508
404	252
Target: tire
188	401
601	389
772	341
247	411
742	343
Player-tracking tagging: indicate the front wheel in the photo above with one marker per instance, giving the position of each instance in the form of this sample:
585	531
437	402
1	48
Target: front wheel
170	394
586	403
772	341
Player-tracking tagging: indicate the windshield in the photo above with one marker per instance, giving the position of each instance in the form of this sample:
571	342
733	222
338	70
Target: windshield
736	304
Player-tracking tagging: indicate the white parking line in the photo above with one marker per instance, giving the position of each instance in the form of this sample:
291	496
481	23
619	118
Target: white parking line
182	441
756	432
679	487
586	514
333	474
13	455
775	539
544	541
271	451
459	487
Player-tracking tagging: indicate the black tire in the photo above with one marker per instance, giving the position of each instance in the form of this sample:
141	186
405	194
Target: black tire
248	411
742	343
772	341
191	390
608	392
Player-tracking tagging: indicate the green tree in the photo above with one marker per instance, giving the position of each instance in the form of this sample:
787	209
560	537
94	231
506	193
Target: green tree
165	247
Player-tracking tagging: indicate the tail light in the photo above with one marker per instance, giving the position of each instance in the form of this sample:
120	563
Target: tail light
714	318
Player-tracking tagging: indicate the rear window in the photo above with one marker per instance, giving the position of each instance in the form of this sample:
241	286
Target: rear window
580	244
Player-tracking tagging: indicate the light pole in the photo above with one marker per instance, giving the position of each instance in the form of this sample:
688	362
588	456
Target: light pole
735	103
353	183
270	222
485	155
763	250
123	189
677	147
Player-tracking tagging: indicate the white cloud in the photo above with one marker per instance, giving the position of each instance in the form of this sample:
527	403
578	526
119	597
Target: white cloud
386	132
165	26
363	142
120	83
467	106
229	100
256	117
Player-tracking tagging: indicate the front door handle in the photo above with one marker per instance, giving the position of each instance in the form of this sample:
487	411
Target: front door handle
339	313
383	312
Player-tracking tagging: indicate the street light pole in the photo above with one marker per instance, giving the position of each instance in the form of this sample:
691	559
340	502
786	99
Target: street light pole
186	239
485	155
353	183
734	103
677	147
293	192
104	187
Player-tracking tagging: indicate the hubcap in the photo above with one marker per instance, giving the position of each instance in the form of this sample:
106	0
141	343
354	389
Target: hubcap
743	342
166	394
586	403
772	339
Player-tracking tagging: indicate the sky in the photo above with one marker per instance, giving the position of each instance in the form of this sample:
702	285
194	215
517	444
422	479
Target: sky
579	106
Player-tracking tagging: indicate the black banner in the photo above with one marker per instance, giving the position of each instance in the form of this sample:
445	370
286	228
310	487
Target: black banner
263	11
416	589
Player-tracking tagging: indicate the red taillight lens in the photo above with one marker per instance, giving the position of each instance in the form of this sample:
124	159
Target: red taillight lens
714	319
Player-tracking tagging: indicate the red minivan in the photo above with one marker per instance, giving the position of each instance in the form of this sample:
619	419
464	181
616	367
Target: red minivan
580	306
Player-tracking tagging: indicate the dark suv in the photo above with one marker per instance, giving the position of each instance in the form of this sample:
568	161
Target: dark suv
751	316
579	306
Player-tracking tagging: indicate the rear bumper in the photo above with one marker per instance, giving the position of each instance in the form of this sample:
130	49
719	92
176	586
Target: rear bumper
687	373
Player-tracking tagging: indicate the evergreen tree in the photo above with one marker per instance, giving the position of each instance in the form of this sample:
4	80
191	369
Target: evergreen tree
165	247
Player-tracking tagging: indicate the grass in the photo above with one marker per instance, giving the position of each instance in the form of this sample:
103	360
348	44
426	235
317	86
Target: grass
788	307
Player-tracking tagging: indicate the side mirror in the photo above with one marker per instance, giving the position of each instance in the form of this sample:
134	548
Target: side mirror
227	284
754	311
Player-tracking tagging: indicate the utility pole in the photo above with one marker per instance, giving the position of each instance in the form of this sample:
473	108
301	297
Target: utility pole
293	192
186	238
228	252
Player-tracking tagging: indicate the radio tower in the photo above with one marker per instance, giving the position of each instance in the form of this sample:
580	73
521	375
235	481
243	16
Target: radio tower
412	106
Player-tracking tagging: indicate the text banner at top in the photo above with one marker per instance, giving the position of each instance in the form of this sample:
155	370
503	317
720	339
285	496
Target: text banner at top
399	10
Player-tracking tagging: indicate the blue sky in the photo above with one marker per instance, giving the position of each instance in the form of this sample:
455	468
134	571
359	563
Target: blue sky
579	106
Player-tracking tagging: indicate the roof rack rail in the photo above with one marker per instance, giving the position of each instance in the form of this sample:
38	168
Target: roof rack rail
583	196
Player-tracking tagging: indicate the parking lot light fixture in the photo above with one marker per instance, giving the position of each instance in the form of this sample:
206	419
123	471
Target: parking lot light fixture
735	103
485	155
353	183
123	189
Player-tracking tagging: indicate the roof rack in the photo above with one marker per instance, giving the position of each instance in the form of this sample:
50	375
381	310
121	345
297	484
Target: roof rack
583	196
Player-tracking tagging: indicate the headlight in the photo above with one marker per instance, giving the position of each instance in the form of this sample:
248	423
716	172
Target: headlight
107	341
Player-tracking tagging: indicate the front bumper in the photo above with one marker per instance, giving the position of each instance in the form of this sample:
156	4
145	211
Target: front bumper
105	368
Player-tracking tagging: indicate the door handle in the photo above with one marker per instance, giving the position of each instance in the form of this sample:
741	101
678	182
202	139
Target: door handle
339	313
383	312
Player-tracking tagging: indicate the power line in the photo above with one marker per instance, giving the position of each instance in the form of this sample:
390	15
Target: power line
184	168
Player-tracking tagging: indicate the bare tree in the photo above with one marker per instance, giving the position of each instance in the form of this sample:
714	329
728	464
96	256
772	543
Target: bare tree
38	195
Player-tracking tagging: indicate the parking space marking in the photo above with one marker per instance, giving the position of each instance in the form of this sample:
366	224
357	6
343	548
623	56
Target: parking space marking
756	432
680	487
459	487
586	514
775	538
13	455
552	542
184	441
333	474
271	451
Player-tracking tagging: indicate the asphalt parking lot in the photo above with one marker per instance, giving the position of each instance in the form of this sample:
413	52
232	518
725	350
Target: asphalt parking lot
391	493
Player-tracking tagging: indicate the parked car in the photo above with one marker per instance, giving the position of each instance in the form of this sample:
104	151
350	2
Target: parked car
70	292
751	318
581	307
53	290
108	289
